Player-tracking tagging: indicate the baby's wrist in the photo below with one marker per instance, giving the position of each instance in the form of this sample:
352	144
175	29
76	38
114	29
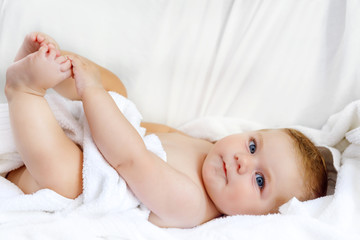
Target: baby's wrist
89	91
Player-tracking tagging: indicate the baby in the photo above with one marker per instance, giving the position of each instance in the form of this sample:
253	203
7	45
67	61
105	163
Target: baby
247	173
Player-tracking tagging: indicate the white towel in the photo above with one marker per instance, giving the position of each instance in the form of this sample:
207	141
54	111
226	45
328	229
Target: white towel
103	189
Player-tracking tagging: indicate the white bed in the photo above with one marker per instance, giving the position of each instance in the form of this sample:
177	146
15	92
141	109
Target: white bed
211	68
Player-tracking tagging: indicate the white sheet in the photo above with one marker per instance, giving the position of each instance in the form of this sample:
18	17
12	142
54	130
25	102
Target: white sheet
237	64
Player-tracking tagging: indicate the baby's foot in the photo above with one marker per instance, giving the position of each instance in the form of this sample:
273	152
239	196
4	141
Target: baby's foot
37	72
85	73
33	41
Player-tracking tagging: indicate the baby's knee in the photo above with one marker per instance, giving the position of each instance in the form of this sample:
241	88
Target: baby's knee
68	189
66	183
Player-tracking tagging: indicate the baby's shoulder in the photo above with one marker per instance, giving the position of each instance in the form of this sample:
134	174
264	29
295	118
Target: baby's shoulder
183	140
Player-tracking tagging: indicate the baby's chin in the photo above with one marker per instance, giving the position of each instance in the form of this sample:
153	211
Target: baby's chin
214	178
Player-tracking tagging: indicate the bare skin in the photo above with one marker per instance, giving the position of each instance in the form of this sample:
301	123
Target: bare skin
109	80
200	180
28	60
25	93
18	89
33	41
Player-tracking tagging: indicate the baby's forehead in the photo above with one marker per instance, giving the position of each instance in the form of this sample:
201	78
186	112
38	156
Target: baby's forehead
271	130
283	162
277	143
275	135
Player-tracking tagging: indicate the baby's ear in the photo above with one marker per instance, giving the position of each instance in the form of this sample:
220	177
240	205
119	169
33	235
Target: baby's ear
330	169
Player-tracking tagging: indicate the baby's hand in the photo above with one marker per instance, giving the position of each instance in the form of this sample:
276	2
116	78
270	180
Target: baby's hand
86	74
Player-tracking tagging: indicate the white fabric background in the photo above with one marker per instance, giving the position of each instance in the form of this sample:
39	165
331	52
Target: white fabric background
272	62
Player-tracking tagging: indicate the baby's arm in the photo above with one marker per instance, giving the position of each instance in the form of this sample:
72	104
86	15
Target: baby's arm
158	128
110	82
169	194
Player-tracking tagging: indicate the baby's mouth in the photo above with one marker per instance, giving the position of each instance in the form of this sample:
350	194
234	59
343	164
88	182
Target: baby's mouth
225	171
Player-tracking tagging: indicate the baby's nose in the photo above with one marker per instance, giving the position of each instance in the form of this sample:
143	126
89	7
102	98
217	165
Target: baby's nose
243	163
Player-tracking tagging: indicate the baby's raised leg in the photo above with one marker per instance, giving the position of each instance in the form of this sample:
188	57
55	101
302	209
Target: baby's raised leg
52	160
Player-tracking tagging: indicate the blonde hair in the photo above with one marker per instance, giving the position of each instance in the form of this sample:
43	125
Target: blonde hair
313	165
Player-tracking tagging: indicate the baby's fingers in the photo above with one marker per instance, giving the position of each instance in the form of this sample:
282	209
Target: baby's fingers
65	66
67	74
61	59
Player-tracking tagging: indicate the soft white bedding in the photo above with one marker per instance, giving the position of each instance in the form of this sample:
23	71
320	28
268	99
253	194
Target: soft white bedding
229	65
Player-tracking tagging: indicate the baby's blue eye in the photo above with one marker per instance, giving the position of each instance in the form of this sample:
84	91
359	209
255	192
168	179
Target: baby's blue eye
260	180
252	146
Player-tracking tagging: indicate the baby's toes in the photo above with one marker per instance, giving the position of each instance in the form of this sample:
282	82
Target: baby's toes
32	36
57	51
39	37
43	50
52	54
48	40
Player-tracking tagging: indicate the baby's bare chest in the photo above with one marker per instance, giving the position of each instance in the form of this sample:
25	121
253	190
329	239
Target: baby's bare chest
185	154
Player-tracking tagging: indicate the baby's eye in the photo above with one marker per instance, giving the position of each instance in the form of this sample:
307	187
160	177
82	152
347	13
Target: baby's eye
252	146
260	181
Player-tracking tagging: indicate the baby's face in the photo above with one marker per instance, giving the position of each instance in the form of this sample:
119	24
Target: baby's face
248	173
